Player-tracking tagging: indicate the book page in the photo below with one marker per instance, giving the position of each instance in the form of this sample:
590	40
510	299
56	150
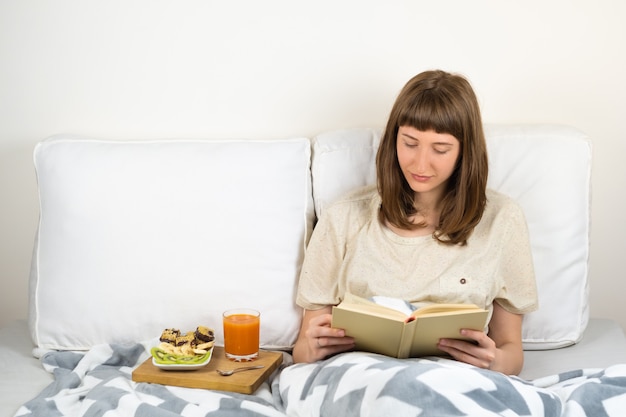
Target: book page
398	304
434	308
356	303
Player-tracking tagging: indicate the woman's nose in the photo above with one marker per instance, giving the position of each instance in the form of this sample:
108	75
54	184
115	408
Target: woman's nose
421	160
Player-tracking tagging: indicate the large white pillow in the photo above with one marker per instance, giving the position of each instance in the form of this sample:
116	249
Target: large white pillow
546	169
137	236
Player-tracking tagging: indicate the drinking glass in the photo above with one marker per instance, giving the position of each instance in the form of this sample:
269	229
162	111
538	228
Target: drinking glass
241	334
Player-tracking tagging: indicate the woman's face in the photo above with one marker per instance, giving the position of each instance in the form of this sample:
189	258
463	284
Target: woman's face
427	159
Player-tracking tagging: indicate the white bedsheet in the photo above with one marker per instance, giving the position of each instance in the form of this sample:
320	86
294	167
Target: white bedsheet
602	345
21	375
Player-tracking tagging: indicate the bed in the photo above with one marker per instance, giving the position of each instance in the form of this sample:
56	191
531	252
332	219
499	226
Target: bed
131	231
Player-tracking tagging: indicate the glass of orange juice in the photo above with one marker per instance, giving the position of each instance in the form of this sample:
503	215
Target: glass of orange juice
241	334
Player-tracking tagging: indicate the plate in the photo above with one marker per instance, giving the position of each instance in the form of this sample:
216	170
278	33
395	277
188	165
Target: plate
183	366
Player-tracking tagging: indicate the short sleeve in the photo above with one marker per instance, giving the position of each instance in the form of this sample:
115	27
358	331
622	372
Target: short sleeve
518	290
317	286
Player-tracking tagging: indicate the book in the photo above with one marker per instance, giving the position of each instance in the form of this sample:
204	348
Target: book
397	328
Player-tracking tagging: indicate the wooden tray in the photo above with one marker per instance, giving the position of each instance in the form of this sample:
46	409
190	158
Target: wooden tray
243	382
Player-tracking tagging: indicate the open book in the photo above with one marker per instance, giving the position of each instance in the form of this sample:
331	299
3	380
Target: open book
385	329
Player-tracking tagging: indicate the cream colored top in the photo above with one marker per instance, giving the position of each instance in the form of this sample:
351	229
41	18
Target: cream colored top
350	251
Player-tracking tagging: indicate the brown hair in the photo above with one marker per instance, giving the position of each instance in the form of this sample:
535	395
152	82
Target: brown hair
445	103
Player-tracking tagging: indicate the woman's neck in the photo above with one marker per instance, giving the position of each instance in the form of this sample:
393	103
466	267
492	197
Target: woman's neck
427	202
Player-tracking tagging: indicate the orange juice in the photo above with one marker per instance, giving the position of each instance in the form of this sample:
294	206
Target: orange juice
241	334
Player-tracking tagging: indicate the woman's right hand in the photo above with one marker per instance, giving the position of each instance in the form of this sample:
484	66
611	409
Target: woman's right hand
317	339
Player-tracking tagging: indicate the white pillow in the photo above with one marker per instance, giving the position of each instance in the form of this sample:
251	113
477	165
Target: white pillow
137	236
546	169
342	160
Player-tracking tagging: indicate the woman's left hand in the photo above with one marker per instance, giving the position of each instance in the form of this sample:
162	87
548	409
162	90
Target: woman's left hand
480	351
501	350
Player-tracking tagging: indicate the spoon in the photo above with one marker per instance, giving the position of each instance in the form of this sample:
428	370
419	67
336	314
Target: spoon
232	371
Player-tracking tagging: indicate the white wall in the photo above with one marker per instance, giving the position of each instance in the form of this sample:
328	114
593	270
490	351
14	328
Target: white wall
249	68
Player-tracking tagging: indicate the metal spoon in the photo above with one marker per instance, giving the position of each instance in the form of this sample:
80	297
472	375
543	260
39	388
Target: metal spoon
232	371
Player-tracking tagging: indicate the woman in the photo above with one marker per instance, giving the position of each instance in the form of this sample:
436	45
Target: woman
428	231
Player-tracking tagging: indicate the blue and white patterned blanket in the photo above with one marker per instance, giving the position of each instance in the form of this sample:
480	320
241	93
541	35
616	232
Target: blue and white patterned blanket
98	383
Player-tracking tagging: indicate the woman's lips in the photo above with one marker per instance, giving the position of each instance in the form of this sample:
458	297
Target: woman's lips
420	178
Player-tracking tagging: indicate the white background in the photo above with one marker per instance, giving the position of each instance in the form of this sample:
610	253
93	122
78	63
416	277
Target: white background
273	69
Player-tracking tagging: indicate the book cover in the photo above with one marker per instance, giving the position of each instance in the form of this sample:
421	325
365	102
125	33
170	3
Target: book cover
387	330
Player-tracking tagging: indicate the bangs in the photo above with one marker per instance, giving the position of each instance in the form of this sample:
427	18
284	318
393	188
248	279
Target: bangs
430	111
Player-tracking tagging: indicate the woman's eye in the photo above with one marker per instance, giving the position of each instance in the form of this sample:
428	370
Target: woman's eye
442	150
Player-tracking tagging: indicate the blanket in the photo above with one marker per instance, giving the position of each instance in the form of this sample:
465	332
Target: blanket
98	383
359	384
